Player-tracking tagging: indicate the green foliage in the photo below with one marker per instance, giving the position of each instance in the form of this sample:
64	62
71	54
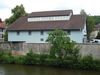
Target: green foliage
62	45
96	19
1	54
6	57
30	58
86	62
96	64
57	38
17	12
19	59
42	58
6	36
90	26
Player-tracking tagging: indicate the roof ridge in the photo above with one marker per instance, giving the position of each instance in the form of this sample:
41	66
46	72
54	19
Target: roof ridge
51	11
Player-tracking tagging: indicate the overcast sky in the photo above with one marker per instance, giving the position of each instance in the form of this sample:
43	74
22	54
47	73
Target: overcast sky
90	6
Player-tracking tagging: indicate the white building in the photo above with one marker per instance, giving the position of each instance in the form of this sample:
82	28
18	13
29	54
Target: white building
34	27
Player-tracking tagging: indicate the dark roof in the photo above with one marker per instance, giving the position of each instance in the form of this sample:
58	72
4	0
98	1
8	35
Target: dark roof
51	13
75	23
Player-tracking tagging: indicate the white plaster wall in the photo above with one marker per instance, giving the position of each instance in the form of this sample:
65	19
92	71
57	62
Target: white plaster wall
77	36
36	36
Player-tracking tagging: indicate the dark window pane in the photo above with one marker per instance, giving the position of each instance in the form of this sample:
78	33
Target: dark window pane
42	39
18	33
42	32
29	32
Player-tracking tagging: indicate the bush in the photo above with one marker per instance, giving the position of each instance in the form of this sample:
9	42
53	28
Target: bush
6	58
19	59
97	64
87	62
71	61
30	58
42	58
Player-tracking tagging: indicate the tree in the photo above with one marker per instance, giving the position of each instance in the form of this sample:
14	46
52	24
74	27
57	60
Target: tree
62	45
96	19
17	12
90	26
82	12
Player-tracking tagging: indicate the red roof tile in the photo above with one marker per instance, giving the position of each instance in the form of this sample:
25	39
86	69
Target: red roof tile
2	25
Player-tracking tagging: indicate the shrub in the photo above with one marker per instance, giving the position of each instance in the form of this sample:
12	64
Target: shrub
30	58
87	62
19	59
42	58
7	58
62	45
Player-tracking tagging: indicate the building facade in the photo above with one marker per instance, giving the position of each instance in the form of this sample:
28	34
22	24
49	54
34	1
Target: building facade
2	31
34	27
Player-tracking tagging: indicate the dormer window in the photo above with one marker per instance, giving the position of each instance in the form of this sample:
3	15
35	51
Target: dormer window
50	18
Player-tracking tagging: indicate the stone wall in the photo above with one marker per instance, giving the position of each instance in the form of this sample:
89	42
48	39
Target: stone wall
38	47
87	49
23	48
11	46
15	48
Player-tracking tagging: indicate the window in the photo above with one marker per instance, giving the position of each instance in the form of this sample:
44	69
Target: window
50	18
29	32
42	39
42	32
18	33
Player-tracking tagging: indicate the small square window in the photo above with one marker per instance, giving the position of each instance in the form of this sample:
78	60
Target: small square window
42	39
18	33
29	32
42	32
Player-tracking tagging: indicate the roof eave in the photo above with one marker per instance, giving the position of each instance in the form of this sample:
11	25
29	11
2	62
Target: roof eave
44	30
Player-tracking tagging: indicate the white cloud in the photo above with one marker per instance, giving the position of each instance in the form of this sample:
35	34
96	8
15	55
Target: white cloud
90	6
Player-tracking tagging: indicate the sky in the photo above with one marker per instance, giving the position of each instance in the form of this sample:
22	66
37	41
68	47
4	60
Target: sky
91	7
